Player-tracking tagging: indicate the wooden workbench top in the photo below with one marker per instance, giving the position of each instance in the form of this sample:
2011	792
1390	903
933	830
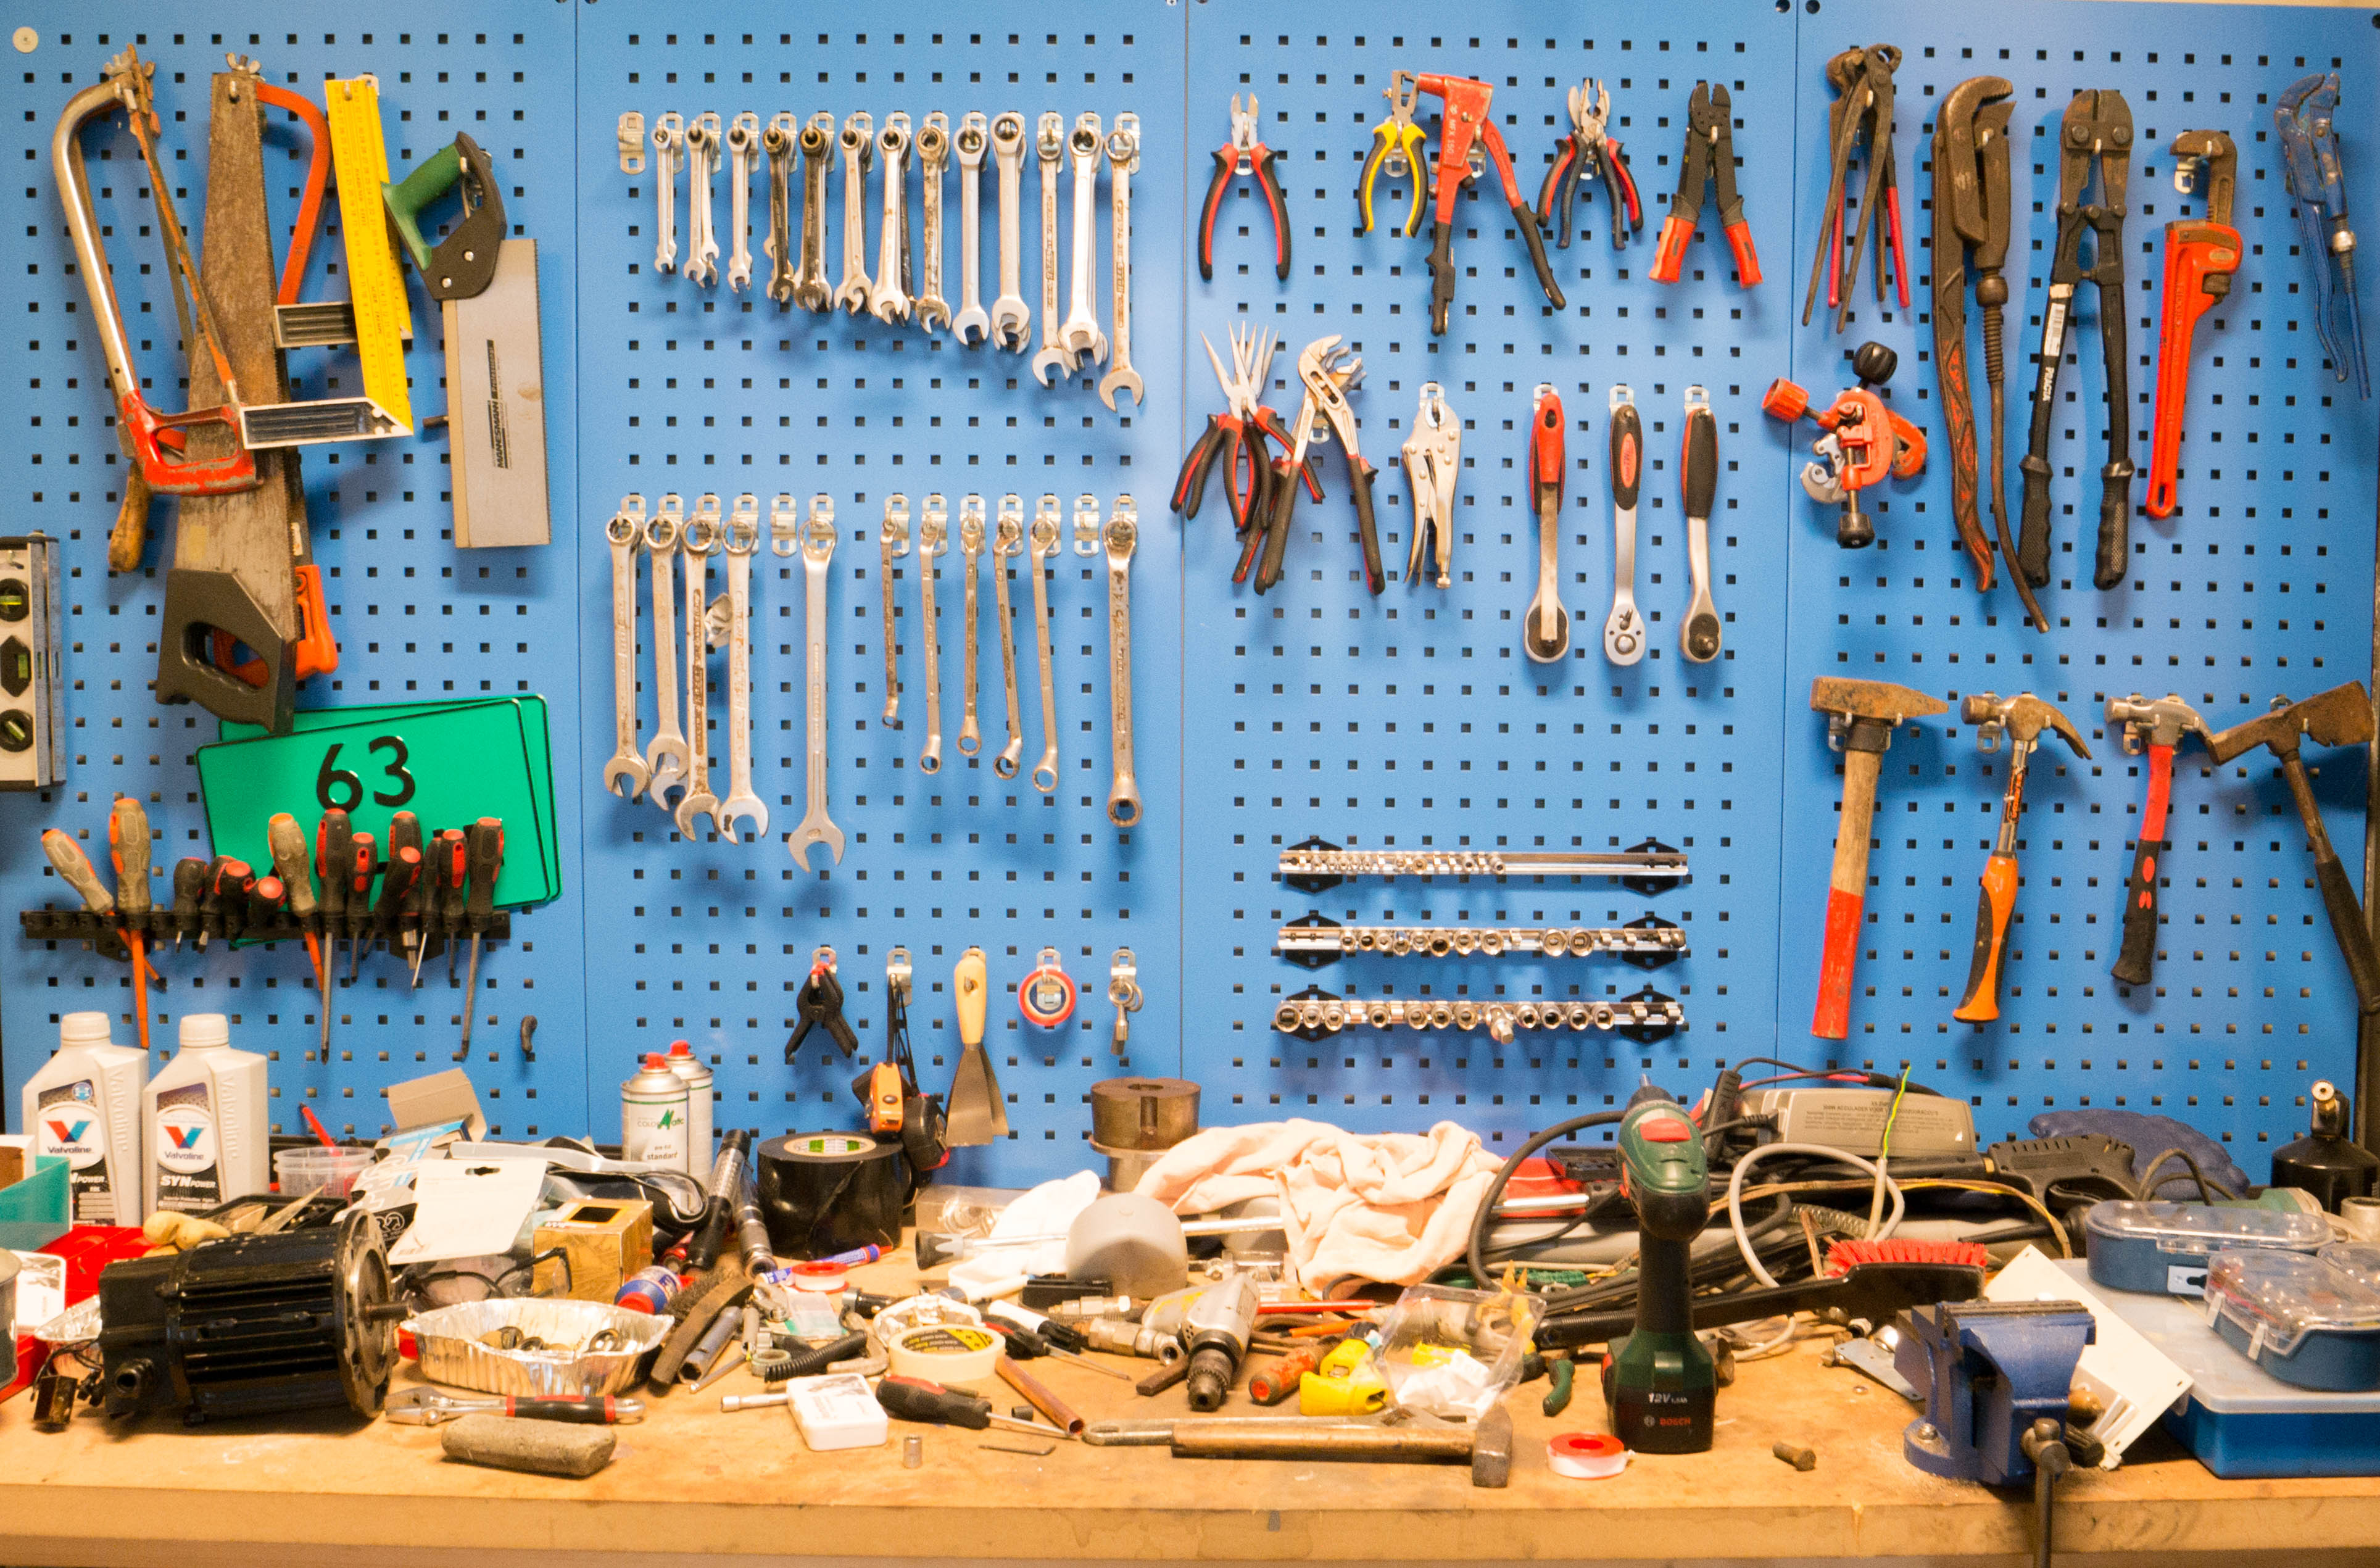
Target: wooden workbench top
692	1481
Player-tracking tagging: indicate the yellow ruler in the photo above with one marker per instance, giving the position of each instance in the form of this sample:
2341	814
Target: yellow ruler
383	320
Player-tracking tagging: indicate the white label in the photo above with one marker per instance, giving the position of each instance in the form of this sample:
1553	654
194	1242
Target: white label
66	1126
183	1143
653	1131
2185	1279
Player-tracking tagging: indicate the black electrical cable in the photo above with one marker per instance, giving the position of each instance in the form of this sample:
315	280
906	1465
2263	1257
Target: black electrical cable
2207	1189
1475	1252
1872	1080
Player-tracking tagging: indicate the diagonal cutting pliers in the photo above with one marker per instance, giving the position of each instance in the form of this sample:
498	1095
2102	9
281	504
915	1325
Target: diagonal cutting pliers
1246	148
1588	150
1708	161
1396	147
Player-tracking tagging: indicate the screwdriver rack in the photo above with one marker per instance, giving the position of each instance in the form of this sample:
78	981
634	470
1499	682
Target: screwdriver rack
106	932
1406	722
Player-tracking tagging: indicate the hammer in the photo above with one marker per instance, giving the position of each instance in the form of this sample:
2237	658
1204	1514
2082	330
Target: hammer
1485	1444
2158	727
1860	720
2341	716
2022	719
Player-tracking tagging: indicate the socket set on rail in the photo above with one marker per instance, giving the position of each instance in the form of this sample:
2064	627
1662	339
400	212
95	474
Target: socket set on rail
1314	1013
907	284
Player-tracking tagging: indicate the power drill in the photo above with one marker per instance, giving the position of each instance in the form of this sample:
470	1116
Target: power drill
1660	1383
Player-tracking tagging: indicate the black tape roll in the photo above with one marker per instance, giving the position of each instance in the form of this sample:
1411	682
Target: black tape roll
823	1193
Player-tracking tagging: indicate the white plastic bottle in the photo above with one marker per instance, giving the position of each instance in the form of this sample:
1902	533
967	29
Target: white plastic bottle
84	1105
205	1116
698	1076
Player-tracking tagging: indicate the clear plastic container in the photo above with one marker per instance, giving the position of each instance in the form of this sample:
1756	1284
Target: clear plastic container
2297	1317
2358	1260
300	1170
1451	1352
2162	1247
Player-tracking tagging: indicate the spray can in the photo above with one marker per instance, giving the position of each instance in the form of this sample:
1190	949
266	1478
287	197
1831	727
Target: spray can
653	1115
648	1290
697	1074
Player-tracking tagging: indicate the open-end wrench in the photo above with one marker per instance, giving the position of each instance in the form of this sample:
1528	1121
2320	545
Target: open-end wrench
1045	545
891	305
778	245
1080	333
669	147
743	151
1699	479
933	157
1049	146
1124	161
626	531
891	544
1007	541
971	546
818	556
1010	319
743	804
1123	537
701	164
854	293
810	290
1623	632
666	757
974	141
701	543
933	538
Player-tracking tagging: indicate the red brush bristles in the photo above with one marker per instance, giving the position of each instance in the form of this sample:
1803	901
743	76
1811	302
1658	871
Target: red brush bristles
1844	1254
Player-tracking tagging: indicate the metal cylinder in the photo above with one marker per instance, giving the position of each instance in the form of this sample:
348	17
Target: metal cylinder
1134	1121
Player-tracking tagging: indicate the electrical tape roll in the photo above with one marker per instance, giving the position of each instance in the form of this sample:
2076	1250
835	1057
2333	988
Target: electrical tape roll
823	1193
944	1352
1585	1456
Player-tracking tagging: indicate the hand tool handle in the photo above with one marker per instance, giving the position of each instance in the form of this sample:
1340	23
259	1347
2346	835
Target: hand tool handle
2338	893
487	850
1278	1383
1698	454
2115	548
596	1412
365	851
1383	139
1747	259
189	883
1360	477
1276	530
287	840
1959	418
970	985
226	879
1220	1439
1627	456
334	853
1190	485
1534	238
128	842
1565	155
1263	158
1846	895
2033	528
1994	904
1227	165
450	860
266	896
1548	451
914	1398
2115	479
75	866
1441	273
1670	251
2199	261
396	883
2134	963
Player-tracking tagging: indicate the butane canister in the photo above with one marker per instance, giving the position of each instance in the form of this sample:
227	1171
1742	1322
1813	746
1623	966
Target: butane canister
653	1116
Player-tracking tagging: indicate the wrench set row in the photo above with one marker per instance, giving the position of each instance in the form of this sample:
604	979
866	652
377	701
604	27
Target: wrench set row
907	284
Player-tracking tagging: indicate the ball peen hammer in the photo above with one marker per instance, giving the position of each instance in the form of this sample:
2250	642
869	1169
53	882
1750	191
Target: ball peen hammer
2156	728
1861	716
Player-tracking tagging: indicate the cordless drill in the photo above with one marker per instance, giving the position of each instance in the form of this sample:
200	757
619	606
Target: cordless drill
1658	1383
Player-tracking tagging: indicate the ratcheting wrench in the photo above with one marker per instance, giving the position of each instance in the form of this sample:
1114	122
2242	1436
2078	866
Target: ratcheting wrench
1700	637
891	543
1123	536
626	531
933	538
1009	319
669	147
892	302
742	148
665	759
1624	631
742	537
1008	541
1123	161
818	554
933	157
810	290
1080	332
778	245
974	141
854	293
1049	146
970	545
702	542
701	163
1045	543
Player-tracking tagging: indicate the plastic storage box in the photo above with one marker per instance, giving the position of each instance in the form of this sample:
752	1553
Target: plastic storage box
34	1212
2297	1317
2161	1247
2358	1260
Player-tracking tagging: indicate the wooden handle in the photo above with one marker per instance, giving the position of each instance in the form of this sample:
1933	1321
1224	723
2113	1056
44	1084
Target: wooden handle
970	982
129	538
1846	896
1993	907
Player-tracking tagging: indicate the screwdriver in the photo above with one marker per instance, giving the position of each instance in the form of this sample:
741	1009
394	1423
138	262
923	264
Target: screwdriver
486	839
915	1399
403	869
190	881
75	866
220	898
335	852
288	844
401	915
266	896
360	878
450	854
127	846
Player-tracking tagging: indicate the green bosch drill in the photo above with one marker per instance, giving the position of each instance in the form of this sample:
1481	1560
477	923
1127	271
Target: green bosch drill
1659	1382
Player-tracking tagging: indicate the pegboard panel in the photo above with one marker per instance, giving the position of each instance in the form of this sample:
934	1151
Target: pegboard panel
416	619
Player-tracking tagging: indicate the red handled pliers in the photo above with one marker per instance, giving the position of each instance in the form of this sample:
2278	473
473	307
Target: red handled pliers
1586	150
1243	147
1236	438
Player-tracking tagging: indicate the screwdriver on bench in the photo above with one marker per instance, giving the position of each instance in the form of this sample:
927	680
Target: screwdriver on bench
448	858
335	853
287	840
485	839
915	1399
127	846
190	881
359	909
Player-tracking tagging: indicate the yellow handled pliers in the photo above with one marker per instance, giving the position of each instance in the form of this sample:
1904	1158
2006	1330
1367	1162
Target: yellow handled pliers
1396	147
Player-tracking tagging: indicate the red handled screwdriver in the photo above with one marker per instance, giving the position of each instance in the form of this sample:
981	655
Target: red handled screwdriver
366	850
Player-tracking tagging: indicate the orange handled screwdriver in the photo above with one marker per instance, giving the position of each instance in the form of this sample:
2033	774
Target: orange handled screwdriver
127	846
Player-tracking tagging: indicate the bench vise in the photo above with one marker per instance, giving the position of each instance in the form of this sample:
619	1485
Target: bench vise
1989	1372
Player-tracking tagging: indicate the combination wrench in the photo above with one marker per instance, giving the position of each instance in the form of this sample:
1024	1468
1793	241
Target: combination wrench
818	554
1124	161
1049	146
743	804
1010	319
778	141
891	544
1007	541
974	141
742	148
1123	537
626	531
1045	547
669	147
665	759
892	302
810	290
971	546
933	157
854	293
1080	333
701	541
701	164
933	538
1623	632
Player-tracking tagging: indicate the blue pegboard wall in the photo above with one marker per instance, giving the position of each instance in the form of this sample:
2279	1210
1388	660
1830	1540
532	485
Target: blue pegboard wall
1411	720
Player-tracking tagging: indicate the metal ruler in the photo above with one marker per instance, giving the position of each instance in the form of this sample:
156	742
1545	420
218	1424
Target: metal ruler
383	319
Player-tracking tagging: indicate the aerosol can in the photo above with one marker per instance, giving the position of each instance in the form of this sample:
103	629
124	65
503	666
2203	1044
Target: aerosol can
653	1116
83	1106
688	1065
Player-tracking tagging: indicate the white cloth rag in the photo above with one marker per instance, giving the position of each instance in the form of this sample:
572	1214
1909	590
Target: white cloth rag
1390	1207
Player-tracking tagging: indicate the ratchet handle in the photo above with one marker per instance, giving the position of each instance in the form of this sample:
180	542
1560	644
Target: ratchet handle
1699	458
1627	456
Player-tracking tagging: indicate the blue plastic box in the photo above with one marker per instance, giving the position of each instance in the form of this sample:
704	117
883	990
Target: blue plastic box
2160	1249
2297	1317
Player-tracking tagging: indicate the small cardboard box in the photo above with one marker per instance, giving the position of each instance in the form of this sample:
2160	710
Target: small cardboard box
605	1243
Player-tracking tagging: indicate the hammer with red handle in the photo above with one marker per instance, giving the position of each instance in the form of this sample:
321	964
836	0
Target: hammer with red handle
2020	719
2155	728
1861	716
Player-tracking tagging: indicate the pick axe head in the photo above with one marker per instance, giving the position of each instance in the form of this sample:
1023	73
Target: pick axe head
1846	702
2021	718
2341	716
2161	723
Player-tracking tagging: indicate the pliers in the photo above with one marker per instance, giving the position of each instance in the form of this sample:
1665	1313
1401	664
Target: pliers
1710	154
1328	372
1863	83
1396	147
1243	147
1465	124
1587	148
1236	437
2318	190
1433	456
